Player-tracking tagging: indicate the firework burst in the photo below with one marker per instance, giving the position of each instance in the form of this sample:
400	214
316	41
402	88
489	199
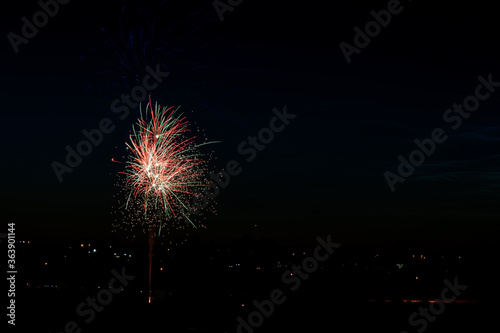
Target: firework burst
164	166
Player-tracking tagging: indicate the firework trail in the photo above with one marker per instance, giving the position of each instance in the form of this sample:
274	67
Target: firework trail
163	170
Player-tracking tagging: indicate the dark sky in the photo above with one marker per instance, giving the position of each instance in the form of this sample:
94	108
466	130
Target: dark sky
323	174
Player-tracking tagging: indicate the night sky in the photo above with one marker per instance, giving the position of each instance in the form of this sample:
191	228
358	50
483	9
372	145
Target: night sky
324	173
